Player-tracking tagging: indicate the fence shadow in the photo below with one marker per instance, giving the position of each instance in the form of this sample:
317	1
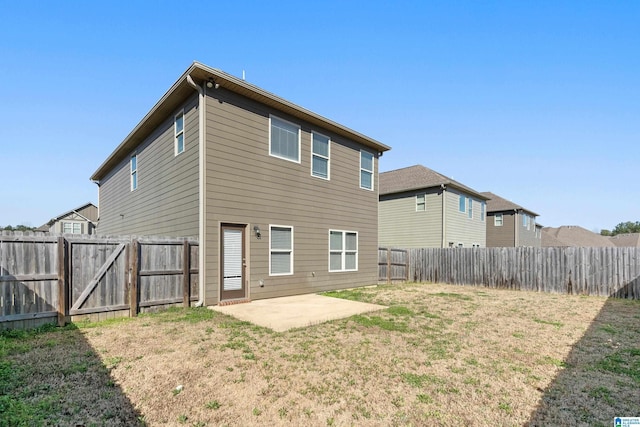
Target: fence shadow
601	376
53	376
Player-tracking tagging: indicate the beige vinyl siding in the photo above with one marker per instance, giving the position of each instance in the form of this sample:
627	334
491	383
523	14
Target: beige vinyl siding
459	228
527	237
247	186
401	226
504	236
166	200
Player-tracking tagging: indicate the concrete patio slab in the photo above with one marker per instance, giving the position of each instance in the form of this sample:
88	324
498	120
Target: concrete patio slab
282	314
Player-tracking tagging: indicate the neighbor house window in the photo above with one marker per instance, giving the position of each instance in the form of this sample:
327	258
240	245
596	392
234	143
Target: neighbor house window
281	250
319	155
72	228
284	140
482	211
343	250
497	220
179	132
462	206
421	202
366	170
134	172
470	200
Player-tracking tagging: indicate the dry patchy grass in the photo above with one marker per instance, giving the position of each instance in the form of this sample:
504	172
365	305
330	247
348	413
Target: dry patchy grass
439	355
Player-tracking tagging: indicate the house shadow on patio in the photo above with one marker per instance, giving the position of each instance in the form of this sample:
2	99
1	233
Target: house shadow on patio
600	379
53	376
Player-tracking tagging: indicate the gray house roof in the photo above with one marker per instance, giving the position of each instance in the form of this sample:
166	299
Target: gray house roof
626	240
573	235
418	177
76	211
496	203
200	74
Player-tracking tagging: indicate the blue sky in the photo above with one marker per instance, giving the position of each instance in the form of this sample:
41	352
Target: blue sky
536	101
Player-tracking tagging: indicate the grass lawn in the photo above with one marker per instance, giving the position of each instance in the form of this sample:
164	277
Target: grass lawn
439	355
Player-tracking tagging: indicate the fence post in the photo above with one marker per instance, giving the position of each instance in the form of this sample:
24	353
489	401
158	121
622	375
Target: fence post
62	281
388	265
134	269
186	276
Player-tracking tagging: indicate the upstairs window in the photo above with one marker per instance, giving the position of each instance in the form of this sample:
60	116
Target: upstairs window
366	170
462	204
319	155
178	129
72	228
134	172
421	202
281	250
284	140
343	250
470	200
482	211
497	220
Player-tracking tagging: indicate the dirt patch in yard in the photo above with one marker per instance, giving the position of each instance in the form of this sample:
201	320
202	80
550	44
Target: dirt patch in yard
439	355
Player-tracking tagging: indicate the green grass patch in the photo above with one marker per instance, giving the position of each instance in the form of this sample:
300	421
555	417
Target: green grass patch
421	380
181	314
624	362
351	294
398	310
453	295
379	322
556	325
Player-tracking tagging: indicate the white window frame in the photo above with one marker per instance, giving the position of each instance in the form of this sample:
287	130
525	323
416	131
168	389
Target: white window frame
470	207
73	225
321	156
133	171
423	203
462	203
177	134
497	223
483	211
373	167
343	252
271	153
271	250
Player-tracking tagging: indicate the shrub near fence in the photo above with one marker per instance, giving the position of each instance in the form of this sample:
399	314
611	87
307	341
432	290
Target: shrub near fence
45	279
578	271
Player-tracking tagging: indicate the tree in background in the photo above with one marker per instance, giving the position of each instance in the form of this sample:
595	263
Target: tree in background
623	228
17	228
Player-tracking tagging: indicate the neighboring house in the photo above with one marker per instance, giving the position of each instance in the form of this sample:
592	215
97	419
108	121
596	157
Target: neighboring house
81	220
282	200
509	224
421	208
626	240
573	235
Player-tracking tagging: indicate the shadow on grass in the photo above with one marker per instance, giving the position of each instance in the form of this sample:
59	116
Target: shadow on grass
601	378
52	376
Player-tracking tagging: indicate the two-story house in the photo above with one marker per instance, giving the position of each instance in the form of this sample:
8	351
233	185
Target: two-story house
81	220
421	208
509	224
282	200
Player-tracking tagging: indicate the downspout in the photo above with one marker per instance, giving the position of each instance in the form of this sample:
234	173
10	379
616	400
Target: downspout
443	187
202	144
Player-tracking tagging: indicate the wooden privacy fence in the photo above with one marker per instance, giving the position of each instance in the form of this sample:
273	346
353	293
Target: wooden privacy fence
392	265
578	271
45	279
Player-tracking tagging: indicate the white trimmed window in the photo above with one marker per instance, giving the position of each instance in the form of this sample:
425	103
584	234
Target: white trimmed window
343	250
497	220
462	205
284	139
319	155
483	207
134	171
280	250
72	228
421	202
178	130
470	200
366	170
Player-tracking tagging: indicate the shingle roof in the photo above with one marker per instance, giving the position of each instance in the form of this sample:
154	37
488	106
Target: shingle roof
573	235
499	204
417	177
626	240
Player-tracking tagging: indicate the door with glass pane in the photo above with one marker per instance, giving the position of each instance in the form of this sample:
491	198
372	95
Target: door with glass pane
233	262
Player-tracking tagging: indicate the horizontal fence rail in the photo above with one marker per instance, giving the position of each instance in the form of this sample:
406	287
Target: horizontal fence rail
45	279
612	272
